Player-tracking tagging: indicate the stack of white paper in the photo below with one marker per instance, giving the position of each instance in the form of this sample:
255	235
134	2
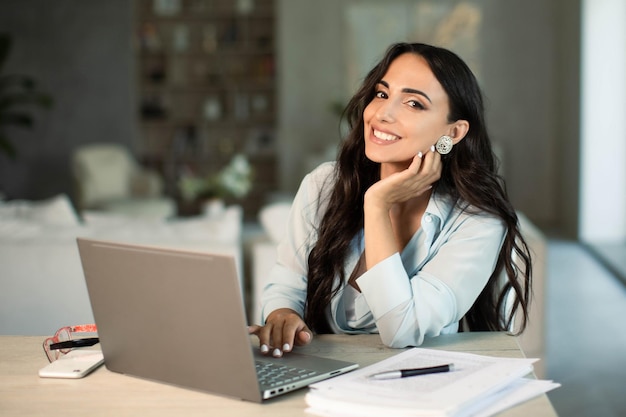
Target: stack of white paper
478	386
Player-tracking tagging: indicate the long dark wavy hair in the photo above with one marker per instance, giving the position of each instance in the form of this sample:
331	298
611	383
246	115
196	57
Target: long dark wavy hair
469	175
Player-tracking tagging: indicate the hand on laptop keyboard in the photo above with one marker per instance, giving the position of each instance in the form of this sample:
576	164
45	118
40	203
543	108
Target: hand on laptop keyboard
283	329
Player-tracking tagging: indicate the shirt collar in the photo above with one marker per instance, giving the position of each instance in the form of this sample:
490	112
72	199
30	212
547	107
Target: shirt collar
439	206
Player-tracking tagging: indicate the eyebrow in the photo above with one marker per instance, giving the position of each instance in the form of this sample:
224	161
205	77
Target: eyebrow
408	90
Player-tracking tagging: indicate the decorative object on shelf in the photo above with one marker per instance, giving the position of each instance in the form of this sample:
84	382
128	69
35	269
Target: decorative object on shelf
156	69
242	108
152	108
180	38
234	181
149	39
260	103
245	7
212	109
166	7
260	141
185	140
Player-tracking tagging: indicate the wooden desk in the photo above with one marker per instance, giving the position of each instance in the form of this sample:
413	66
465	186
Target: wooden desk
104	393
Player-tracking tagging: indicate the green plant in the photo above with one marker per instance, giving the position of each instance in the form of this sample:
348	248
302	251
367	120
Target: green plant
17	94
233	181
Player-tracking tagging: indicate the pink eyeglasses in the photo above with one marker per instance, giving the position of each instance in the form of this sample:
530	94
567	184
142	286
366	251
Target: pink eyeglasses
62	341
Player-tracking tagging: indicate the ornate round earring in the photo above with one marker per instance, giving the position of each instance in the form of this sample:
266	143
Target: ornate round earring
444	145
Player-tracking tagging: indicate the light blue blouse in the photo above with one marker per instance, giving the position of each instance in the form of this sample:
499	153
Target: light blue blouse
422	292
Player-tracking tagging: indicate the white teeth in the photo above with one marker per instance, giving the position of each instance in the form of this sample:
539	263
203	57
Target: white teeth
384	136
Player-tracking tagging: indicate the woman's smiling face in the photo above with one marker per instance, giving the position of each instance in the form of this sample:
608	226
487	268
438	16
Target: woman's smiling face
408	113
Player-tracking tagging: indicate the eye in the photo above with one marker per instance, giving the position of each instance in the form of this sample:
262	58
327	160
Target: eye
380	94
415	104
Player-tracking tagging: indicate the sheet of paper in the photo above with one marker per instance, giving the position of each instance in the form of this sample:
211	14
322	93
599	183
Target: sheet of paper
517	392
475	377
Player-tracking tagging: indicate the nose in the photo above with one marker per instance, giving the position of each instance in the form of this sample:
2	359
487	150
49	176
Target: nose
386	111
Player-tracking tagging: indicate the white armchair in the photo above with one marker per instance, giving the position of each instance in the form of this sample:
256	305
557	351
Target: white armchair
108	178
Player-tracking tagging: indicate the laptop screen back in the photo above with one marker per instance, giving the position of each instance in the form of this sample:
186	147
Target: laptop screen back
171	316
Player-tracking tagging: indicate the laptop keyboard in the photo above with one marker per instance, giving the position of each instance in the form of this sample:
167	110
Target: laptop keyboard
272	374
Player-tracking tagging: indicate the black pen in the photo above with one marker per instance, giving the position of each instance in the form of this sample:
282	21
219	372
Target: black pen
404	373
74	343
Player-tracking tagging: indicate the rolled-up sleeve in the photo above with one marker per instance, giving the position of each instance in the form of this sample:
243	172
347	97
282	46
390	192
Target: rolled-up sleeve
286	284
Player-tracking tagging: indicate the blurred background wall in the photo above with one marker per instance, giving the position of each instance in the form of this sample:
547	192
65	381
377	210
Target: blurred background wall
80	53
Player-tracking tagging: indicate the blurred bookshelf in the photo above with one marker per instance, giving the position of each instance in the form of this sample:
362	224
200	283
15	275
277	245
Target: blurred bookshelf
205	72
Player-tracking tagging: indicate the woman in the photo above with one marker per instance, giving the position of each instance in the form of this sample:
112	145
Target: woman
410	233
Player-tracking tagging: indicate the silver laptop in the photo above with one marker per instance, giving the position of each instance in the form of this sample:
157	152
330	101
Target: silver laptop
178	317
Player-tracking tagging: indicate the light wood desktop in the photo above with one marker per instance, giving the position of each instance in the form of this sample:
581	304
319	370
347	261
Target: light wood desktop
104	393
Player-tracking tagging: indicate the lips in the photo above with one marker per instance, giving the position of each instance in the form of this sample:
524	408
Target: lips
387	137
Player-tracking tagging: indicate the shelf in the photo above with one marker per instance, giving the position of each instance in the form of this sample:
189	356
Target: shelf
206	88
189	10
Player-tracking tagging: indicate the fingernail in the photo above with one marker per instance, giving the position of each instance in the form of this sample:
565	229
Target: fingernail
432	148
277	353
419	154
264	349
286	347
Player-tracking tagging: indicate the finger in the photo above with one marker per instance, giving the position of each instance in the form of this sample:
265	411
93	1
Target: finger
431	168
416	163
305	336
427	164
264	334
435	153
277	339
289	333
435	168
254	329
291	329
